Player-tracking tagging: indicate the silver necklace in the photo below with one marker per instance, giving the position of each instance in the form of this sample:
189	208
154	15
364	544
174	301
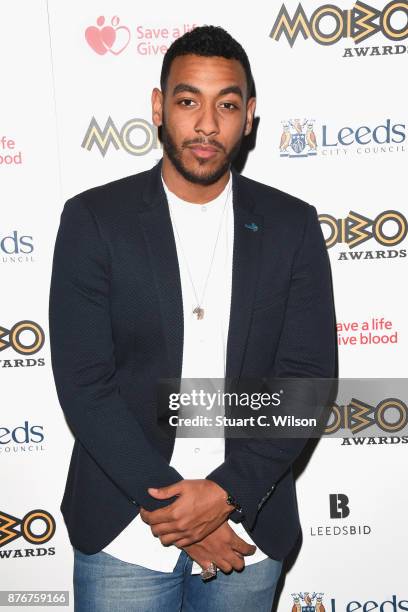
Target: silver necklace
199	310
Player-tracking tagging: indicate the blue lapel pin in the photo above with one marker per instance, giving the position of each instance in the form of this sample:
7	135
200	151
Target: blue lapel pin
252	226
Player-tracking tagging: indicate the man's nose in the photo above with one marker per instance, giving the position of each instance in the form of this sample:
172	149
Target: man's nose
207	122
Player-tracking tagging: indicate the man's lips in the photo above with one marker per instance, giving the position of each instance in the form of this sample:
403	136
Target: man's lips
203	150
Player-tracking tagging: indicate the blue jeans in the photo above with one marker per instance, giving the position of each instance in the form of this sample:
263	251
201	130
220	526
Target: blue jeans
103	583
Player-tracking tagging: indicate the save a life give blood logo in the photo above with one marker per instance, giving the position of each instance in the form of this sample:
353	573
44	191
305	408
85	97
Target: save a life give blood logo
109	35
107	38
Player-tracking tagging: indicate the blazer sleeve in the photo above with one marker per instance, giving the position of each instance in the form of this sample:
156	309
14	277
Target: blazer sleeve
83	361
307	348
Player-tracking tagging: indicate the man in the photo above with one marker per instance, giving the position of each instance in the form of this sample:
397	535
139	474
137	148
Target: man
186	270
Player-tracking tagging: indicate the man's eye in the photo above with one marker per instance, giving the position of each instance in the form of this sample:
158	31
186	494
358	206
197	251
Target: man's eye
229	105
186	102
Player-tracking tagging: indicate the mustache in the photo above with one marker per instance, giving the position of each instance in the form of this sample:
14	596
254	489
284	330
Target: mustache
203	141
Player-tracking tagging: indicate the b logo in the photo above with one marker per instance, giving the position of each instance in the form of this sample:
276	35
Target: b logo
339	507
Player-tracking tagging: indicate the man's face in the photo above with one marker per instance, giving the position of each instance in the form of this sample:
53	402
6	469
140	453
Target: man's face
204	114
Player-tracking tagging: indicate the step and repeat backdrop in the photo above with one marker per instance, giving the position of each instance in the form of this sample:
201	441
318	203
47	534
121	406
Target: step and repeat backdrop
332	125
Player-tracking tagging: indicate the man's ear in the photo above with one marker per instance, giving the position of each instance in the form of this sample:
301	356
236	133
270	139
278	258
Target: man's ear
250	111
157	107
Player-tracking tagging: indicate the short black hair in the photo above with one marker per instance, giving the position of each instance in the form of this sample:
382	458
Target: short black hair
207	41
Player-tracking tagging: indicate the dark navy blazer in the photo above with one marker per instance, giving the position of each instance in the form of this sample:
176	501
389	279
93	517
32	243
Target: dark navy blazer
116	327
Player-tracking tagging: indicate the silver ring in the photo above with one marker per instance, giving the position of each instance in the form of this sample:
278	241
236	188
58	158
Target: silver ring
209	572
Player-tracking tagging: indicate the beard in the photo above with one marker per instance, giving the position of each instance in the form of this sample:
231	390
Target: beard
199	178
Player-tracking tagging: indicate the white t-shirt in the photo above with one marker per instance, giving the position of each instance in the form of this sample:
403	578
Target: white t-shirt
204	356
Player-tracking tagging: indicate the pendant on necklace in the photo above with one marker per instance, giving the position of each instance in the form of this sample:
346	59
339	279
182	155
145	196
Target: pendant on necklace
199	312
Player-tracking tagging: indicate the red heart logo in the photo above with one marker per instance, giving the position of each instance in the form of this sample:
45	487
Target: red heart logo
93	38
113	38
108	36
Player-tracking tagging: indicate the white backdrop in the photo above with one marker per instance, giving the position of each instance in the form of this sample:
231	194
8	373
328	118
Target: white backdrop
75	112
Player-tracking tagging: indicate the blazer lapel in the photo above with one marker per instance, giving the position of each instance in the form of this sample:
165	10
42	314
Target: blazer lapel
248	234
156	222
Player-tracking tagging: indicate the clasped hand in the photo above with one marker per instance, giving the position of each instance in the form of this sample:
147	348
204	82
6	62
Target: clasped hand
197	522
199	509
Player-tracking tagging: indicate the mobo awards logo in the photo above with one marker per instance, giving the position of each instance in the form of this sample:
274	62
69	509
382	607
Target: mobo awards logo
389	228
328	24
390	416
25	338
136	136
36	527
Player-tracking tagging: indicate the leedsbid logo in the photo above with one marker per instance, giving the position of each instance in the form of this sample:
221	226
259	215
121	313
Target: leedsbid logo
339	505
113	38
